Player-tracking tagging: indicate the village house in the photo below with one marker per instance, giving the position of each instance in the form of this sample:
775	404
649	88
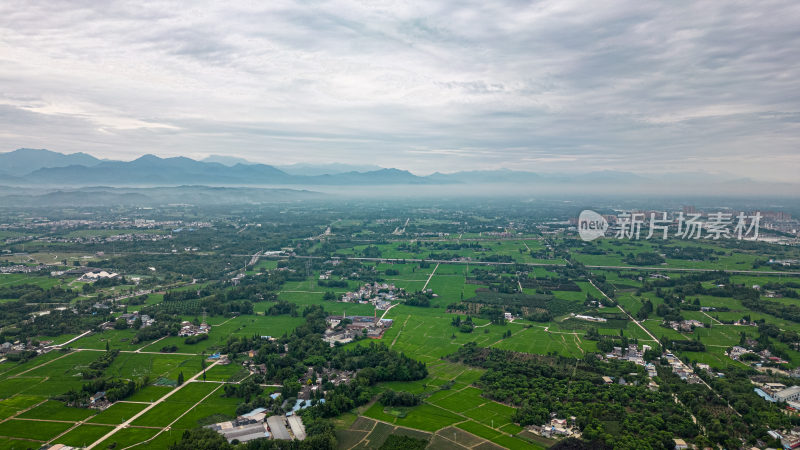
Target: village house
131	318
190	329
256	425
365	326
379	294
686	325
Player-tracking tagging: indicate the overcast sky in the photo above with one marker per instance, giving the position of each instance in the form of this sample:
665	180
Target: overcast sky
449	85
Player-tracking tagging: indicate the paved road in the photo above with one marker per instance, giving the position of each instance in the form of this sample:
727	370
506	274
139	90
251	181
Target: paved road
430	276
684	269
625	312
72	340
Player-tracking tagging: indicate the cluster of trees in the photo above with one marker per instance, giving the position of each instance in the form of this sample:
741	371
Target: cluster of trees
115	389
371	251
550	284
282	307
98	366
685	345
399	398
540	315
645	311
165	325
201	267
722	426
289	358
788	311
31	293
419	299
644	259
307	349
690	253
785	289
332	283
247	389
15	320
465	326
196	338
625	416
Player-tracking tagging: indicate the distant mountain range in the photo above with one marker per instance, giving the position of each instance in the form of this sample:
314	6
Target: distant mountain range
43	168
155	196
303	169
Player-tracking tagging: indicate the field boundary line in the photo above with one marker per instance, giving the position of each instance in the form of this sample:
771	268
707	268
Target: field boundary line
400	331
148	408
169	426
23	411
40	365
374	424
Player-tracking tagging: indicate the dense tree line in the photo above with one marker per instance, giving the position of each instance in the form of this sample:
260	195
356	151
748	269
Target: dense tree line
399	398
31	293
98	366
17	323
282	307
541	385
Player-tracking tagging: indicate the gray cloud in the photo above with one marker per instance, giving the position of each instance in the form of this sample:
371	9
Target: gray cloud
545	86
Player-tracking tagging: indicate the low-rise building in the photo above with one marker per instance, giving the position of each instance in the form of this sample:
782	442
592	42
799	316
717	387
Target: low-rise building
788	394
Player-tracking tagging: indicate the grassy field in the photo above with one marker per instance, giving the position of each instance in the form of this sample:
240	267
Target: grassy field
175	405
83	435
41	431
53	410
128	436
117	413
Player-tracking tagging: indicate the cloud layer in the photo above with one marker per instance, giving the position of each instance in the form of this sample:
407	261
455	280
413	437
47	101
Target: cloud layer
542	86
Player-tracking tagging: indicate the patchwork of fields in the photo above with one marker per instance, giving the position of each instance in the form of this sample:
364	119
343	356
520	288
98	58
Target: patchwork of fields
453	414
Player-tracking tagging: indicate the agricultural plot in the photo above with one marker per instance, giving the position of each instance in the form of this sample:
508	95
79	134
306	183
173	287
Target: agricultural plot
427	333
42	431
53	410
83	435
172	408
13	444
223	330
14	386
66	369
449	288
215	408
149	394
15	279
118	412
229	372
428	417
116	339
497	437
127	437
8	369
538	340
303	299
134	365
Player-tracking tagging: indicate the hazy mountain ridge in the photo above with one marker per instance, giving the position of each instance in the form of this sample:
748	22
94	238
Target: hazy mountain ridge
25	160
110	196
59	170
